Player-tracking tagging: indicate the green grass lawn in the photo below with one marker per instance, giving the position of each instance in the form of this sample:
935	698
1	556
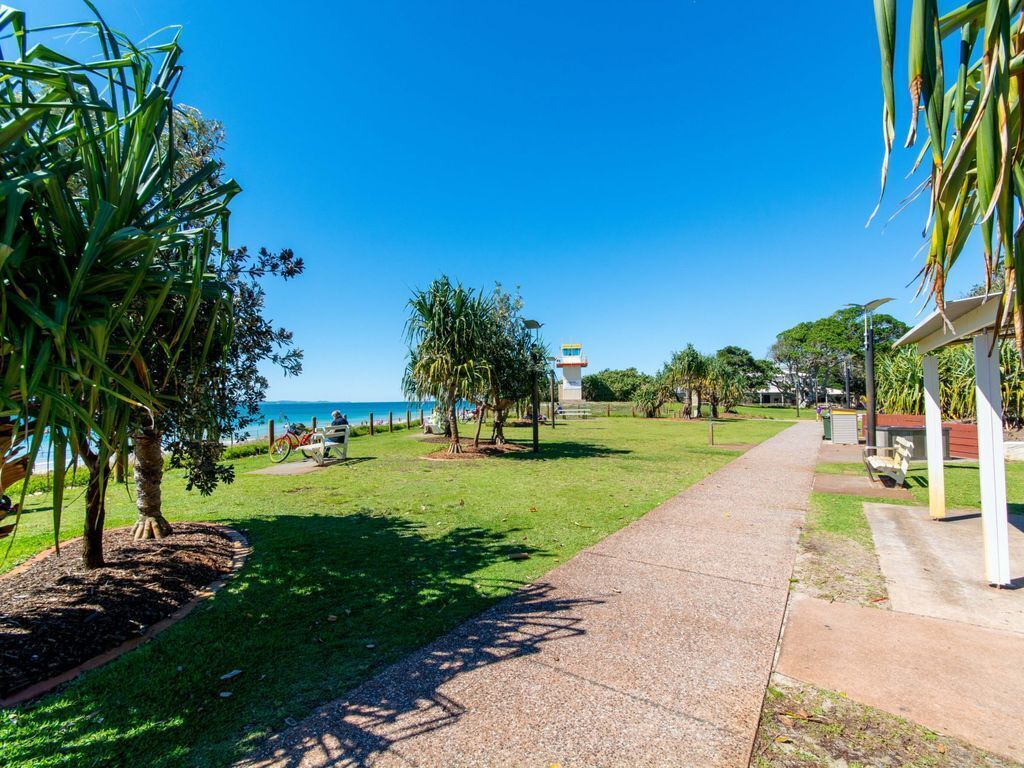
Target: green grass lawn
399	549
841	515
774	412
963	490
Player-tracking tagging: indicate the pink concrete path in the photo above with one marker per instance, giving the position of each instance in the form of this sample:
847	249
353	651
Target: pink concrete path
955	678
652	648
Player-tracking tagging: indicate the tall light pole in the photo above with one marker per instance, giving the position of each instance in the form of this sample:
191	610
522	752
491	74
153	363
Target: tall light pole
846	376
533	325
869	362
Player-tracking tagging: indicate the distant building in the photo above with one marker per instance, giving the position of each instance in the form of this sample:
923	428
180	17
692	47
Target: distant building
572	362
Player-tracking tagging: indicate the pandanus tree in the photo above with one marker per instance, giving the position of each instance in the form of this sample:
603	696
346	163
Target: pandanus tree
100	246
969	105
447	330
684	372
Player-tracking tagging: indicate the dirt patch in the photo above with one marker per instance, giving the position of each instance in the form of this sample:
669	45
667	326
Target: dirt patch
833	567
55	615
470	452
803	726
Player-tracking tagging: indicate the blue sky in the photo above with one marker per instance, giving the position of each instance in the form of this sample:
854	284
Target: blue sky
649	174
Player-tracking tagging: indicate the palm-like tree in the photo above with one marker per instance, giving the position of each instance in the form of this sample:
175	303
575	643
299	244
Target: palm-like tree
970	107
447	330
101	245
685	371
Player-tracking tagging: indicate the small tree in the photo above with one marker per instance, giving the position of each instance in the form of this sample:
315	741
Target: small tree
650	396
103	246
446	329
514	359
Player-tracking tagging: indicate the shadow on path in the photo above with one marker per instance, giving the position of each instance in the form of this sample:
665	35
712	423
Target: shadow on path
379	715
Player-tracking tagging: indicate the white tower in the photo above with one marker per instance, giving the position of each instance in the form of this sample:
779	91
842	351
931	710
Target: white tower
572	362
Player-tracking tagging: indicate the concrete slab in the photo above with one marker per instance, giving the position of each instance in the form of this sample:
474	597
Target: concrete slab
653	648
857	485
936	567
958	679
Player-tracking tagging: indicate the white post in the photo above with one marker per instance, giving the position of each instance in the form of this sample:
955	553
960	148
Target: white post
992	463
933	437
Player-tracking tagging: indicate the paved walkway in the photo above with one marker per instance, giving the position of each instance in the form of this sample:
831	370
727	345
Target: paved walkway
652	648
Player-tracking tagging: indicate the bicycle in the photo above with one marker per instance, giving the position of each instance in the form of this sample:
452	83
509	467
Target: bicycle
294	436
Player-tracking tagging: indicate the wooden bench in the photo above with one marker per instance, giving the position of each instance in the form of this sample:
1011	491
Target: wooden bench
578	413
324	440
894	466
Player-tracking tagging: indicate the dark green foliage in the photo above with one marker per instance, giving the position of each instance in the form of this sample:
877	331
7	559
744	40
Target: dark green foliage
614	385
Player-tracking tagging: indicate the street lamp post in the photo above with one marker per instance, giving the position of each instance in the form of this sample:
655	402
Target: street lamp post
533	325
846	375
869	363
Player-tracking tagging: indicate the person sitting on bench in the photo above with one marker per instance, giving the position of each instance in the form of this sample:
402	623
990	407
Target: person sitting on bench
337	420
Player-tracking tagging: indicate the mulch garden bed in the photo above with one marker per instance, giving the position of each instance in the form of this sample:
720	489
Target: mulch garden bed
468	451
55	615
806	727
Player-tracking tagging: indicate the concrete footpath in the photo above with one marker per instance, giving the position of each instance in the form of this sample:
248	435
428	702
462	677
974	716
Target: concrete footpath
955	678
652	648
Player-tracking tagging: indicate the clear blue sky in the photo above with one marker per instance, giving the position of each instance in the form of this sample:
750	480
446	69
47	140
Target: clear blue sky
649	174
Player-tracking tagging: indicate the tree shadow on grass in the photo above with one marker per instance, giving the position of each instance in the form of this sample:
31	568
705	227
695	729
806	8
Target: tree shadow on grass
323	603
564	450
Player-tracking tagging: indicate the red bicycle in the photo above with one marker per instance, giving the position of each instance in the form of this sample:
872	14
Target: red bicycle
293	437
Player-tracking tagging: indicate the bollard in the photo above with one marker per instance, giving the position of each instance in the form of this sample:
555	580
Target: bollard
314	423
271	432
391	423
371	423
609	409
408	419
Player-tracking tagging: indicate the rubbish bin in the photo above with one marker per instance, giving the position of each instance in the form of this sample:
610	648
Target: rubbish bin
886	437
844	426
826	420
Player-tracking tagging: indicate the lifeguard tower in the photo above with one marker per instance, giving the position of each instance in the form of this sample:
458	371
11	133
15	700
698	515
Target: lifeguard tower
572	362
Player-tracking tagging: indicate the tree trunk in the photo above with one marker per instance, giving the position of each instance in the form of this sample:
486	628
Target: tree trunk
499	428
454	446
149	473
479	425
98	465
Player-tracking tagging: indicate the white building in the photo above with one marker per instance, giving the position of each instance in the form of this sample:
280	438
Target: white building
572	362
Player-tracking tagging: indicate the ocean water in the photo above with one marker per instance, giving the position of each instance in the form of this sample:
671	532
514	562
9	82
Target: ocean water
285	412
302	412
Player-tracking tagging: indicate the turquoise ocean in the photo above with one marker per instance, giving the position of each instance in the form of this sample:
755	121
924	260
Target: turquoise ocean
302	412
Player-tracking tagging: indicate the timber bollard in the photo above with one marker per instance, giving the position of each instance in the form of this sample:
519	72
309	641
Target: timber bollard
270	427
608	407
314	423
371	423
391	422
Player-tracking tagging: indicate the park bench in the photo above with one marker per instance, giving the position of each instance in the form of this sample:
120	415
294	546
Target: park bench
575	413
893	466
323	440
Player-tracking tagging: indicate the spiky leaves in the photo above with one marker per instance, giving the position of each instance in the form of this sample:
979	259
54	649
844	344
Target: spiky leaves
98	244
974	142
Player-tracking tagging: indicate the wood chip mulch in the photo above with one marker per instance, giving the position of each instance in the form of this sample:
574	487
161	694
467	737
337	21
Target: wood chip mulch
55	615
469	451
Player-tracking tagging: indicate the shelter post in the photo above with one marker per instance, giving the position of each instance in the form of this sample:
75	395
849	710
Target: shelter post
933	437
991	461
